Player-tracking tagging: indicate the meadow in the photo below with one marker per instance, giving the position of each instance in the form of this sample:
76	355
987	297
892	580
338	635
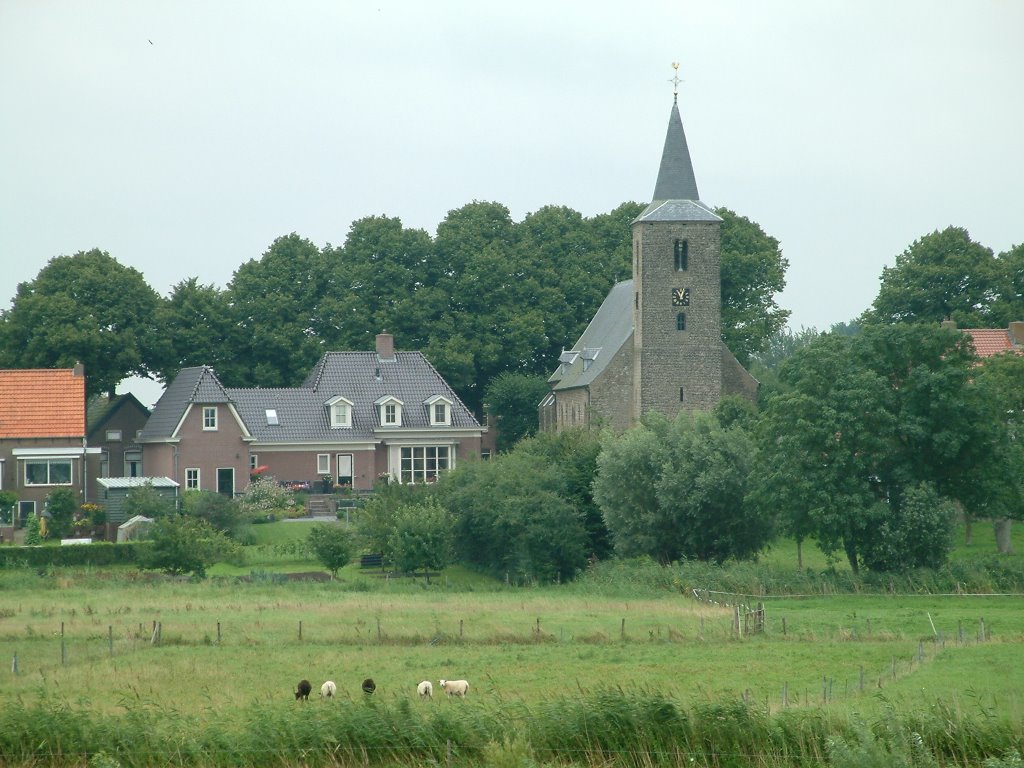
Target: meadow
95	653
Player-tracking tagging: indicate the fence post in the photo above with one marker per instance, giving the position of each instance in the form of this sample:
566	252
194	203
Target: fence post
63	647
378	630
300	630
736	620
785	694
783	626
110	639
218	633
622	630
981	636
460	627
862	678
14	665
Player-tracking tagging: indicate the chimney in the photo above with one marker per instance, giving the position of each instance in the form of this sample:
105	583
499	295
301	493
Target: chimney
78	371
1017	333
385	346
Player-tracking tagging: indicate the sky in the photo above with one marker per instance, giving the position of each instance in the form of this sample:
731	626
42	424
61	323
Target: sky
182	137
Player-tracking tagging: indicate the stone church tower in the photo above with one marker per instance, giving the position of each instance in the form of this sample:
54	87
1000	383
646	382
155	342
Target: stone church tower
677	303
655	344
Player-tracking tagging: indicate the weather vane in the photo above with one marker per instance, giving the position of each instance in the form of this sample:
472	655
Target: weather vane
675	81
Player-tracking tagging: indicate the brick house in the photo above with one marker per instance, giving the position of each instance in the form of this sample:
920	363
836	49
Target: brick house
43	443
655	343
357	416
112	426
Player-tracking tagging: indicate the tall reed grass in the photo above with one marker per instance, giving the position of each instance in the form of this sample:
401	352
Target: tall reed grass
612	727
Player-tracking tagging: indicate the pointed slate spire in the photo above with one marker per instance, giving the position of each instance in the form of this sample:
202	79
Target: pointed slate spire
675	176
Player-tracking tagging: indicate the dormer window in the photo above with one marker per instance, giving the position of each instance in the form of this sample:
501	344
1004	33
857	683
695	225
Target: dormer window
439	409
389	411
340	413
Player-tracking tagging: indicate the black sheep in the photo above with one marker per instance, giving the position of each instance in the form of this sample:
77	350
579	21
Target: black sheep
302	692
369	686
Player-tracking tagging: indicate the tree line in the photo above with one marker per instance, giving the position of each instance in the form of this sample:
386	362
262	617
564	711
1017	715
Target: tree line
484	296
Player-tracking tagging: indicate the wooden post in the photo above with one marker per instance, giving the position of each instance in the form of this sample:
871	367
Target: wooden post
702	625
869	627
785	694
981	635
893	667
960	632
920	652
538	627
783	626
862	678
110	639
736	620
300	630
378	630
218	633
460	627
622	630
63	647
14	665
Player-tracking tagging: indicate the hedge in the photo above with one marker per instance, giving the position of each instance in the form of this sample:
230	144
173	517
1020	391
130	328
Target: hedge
99	553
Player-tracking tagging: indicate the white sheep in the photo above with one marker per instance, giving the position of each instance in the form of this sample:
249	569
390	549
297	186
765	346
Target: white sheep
425	690
328	689
455	687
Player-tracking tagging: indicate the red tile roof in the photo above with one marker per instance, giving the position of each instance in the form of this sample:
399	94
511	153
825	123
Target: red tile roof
42	403
991	341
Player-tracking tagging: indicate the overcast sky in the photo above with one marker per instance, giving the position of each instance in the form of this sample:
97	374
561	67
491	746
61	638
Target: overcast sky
183	137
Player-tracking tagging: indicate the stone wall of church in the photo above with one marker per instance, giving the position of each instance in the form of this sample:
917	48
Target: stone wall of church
736	380
677	369
612	392
571	408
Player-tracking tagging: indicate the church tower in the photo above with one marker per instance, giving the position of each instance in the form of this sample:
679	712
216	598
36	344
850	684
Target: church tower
677	316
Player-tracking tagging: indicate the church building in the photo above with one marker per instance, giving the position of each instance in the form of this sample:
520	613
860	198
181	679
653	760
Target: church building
655	343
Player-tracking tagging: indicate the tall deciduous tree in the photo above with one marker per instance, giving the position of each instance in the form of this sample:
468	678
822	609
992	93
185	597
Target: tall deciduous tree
753	272
84	308
686	489
863	421
512	400
199	328
275	303
941	276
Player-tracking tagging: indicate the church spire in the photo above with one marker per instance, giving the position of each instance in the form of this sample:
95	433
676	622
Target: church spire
675	176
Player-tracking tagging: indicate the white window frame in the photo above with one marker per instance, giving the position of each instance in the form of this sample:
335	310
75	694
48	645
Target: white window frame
210	418
49	462
323	464
189	486
113	435
254	461
340	412
423	463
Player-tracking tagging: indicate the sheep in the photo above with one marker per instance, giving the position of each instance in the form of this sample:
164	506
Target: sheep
302	692
328	689
369	686
455	687
425	690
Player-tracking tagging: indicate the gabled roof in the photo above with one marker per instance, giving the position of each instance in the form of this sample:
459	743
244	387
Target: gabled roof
362	378
301	413
46	402
101	409
191	385
611	327
992	341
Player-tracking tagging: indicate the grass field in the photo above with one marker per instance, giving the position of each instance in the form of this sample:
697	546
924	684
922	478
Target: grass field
83	642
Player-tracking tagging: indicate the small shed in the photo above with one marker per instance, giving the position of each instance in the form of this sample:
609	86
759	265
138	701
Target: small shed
115	493
134	528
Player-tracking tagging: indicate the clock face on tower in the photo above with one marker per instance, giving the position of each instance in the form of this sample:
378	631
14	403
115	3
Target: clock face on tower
680	297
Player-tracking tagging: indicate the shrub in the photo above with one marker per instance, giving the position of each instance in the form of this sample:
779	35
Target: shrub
332	545
184	544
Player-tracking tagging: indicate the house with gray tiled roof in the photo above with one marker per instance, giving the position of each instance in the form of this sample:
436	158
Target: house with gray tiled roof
655	343
358	416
